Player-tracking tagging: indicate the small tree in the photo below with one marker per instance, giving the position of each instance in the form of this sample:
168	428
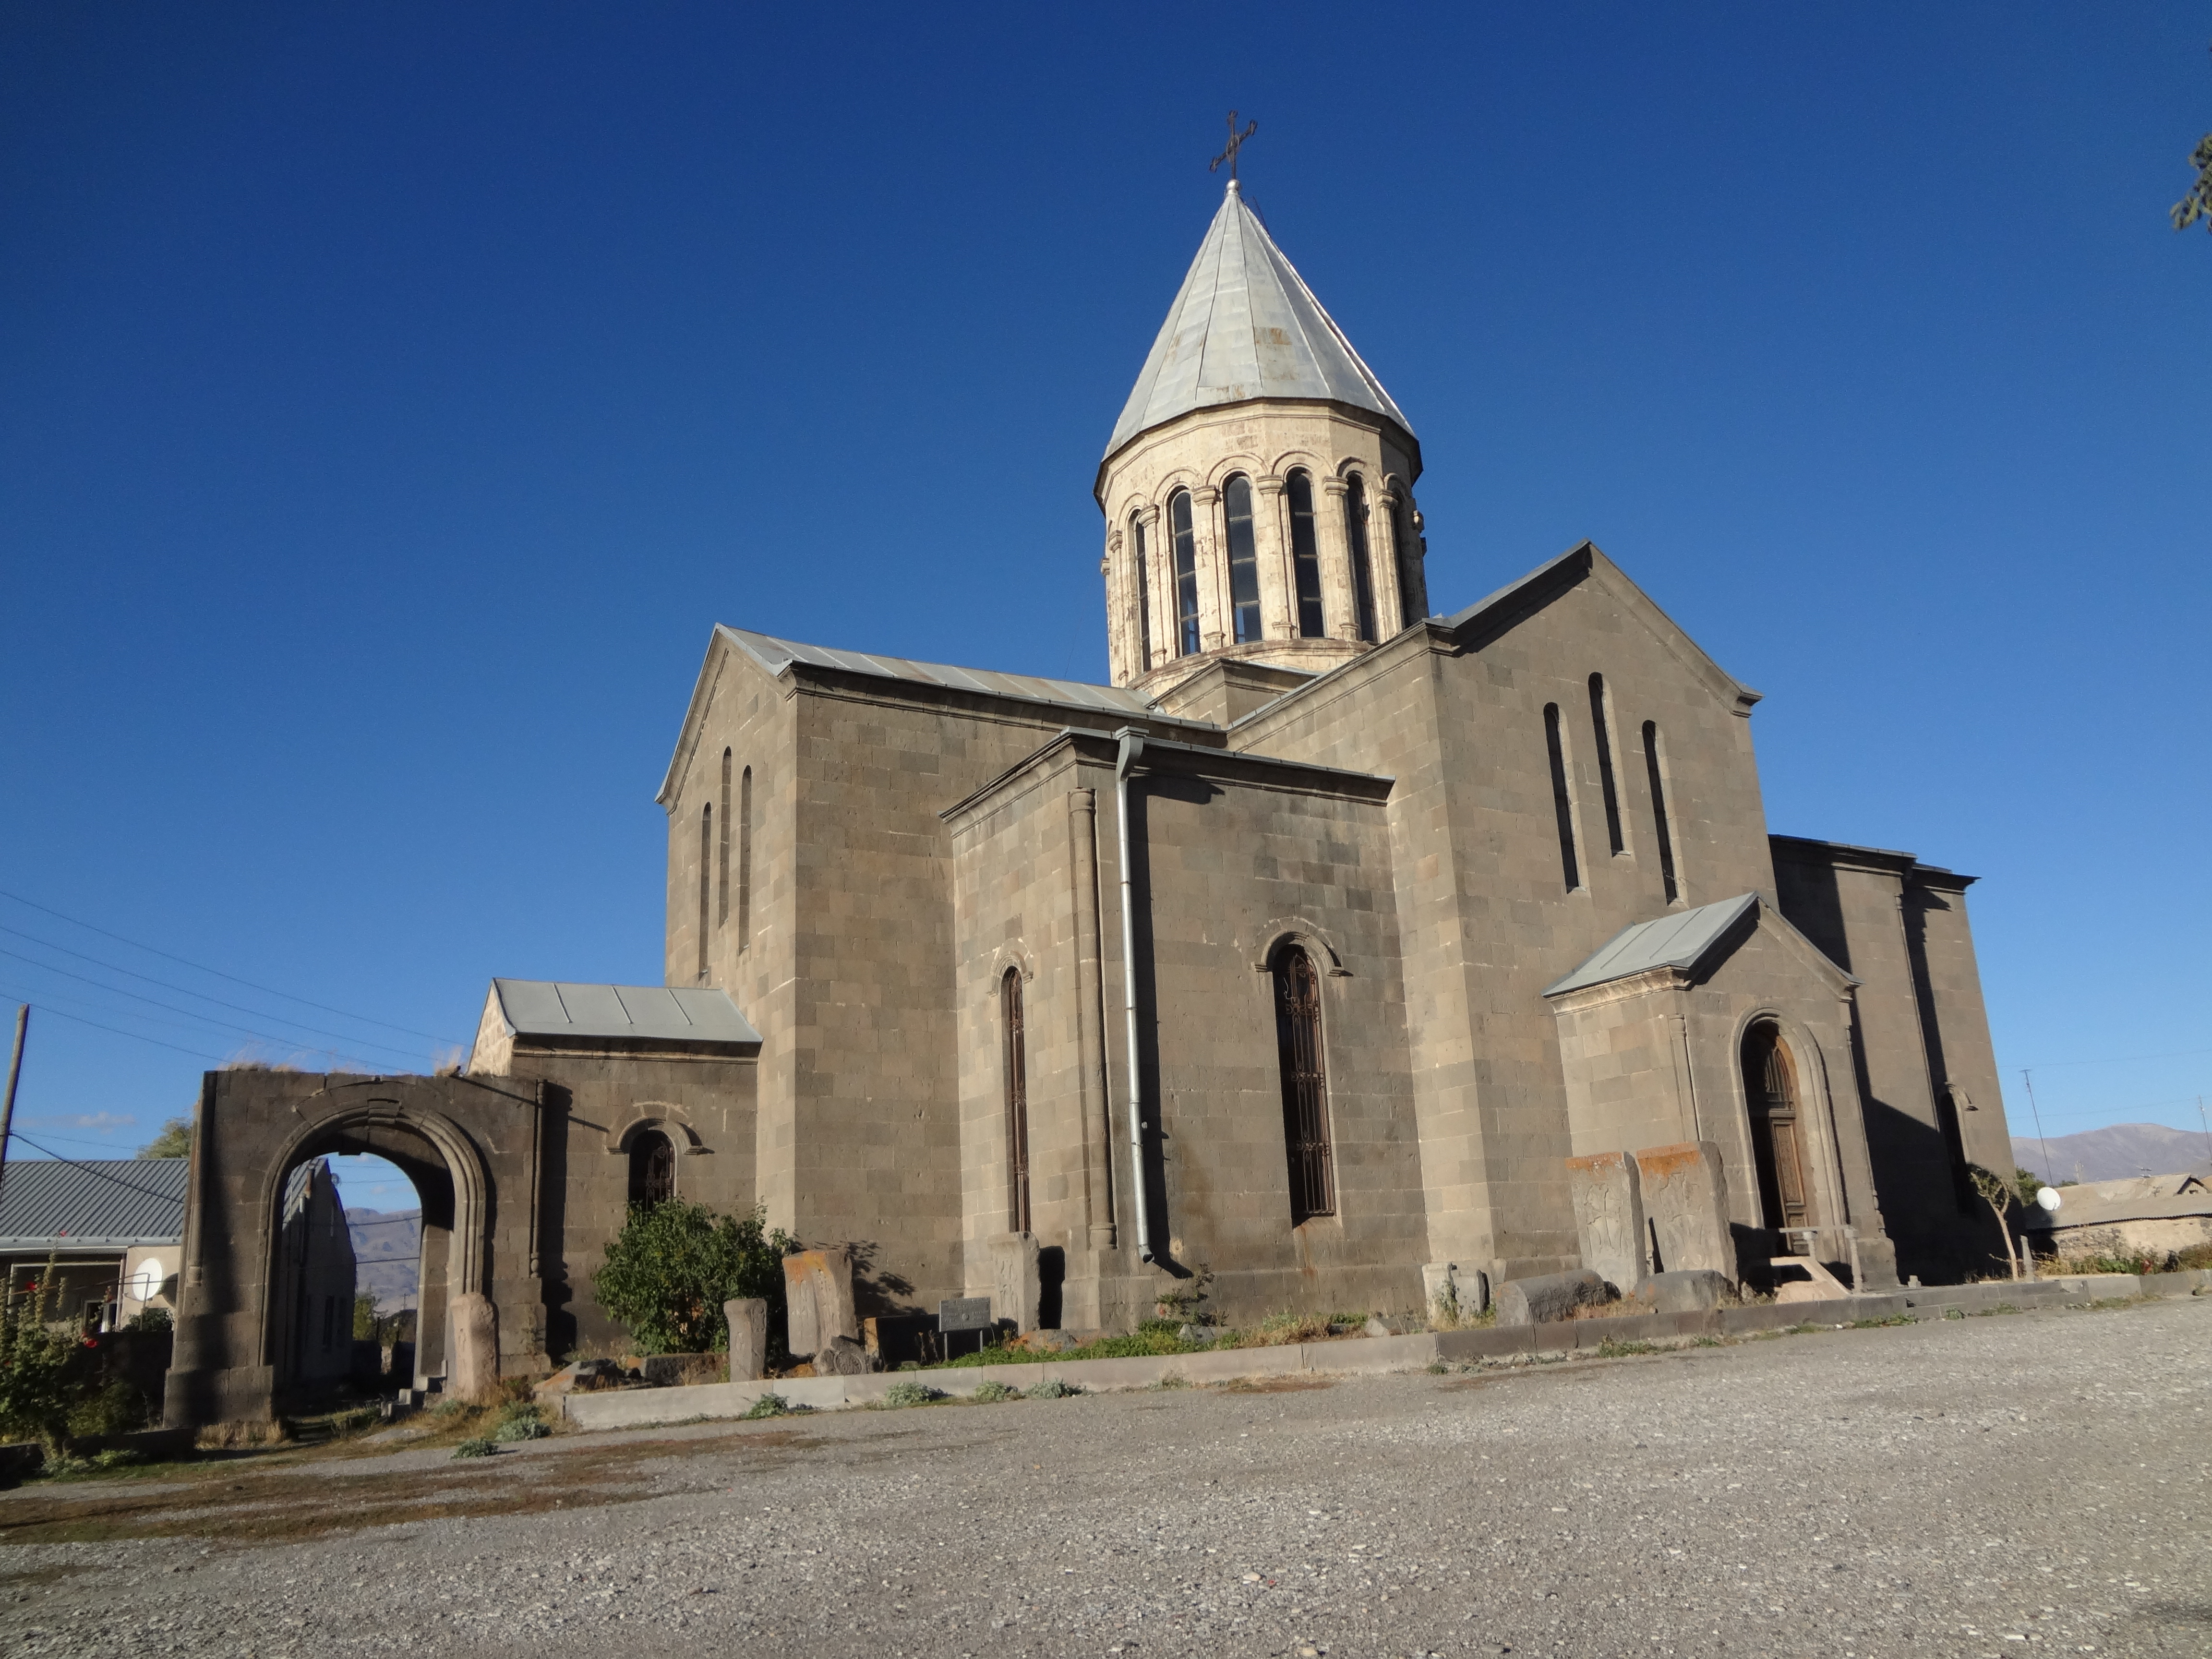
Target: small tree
2198	204
367	1323
1999	1195
669	1269
175	1140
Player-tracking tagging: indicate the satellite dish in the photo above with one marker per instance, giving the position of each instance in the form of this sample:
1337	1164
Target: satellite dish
2048	1197
147	1278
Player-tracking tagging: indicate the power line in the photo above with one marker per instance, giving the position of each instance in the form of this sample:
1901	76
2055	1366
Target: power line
205	1019
201	967
236	1007
113	1031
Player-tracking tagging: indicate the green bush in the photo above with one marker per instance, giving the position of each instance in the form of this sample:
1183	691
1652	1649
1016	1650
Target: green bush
669	1269
119	1408
1053	1389
990	1390
45	1373
909	1393
150	1320
478	1447
521	1428
771	1405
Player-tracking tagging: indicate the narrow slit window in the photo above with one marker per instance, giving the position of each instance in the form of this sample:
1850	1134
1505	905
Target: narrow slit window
1305	554
1563	802
705	885
1143	585
1243	558
1185	574
1018	1101
1402	523
1305	1086
745	858
722	850
1355	542
1601	723
1655	772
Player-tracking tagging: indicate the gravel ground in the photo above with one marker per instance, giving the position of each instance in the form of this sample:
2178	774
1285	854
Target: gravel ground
1989	1486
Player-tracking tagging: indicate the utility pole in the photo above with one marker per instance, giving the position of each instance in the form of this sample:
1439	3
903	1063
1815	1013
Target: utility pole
15	1070
2208	1132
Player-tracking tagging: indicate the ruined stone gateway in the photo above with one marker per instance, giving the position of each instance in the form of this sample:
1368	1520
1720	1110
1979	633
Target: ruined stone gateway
1330	944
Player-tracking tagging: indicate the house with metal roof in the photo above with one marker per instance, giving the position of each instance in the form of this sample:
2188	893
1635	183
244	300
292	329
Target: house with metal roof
111	1228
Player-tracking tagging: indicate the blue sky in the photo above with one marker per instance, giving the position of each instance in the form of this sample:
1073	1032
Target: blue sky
395	395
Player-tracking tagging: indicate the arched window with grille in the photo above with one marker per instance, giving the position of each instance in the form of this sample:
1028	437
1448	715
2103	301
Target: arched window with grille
706	872
1243	558
651	1168
1142	586
1185	574
1305	553
1305	1086
1015	1054
745	859
722	850
1355	542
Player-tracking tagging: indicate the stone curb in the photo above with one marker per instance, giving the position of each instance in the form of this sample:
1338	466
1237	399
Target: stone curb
1359	1356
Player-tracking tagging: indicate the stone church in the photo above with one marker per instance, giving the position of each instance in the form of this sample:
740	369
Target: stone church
1310	950
1308	960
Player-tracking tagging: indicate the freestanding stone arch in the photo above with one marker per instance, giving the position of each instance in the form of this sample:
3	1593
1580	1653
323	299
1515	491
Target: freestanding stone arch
474	1148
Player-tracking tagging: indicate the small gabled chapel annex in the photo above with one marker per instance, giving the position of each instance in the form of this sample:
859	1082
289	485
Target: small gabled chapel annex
1307	951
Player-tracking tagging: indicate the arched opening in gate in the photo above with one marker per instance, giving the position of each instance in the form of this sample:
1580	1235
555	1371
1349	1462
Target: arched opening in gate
421	1254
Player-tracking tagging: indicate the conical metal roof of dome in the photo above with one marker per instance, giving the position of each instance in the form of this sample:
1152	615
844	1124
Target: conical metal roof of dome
1244	326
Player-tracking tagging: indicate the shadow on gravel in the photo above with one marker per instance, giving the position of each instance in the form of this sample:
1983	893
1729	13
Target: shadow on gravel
316	1502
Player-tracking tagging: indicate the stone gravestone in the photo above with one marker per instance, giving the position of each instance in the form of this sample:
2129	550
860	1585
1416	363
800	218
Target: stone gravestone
1686	1198
1873	1264
1608	1201
1018	1286
472	1370
1453	1290
818	1288
748	1318
1548	1299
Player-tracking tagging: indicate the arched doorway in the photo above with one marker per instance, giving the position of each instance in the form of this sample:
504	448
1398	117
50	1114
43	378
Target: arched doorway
1771	1097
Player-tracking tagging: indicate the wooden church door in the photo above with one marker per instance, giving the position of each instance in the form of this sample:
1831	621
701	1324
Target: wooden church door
1770	1090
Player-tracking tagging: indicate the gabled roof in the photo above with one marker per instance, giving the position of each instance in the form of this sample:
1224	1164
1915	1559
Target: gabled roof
94	1204
1244	325
1681	941
547	1013
774	657
2134	1198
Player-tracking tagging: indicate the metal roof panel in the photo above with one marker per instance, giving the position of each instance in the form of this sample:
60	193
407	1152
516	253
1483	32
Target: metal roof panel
104	1203
692	1013
1678	941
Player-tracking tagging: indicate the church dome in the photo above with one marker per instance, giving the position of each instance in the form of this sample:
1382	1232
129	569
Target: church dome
1244	326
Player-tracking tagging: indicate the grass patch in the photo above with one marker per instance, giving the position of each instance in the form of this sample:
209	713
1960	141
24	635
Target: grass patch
1612	1349
1706	1342
1876	1324
990	1391
902	1394
1053	1389
773	1405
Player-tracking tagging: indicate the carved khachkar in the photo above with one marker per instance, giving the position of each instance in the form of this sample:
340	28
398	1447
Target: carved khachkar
1017	1284
818	1287
1609	1217
1686	1196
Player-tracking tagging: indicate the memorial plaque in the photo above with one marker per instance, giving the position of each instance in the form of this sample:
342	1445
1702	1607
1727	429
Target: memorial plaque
964	1313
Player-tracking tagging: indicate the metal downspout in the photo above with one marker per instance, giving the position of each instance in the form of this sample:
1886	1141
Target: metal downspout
1132	748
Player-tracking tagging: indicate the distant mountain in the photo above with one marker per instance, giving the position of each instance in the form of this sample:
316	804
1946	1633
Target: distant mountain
387	1250
2115	1152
